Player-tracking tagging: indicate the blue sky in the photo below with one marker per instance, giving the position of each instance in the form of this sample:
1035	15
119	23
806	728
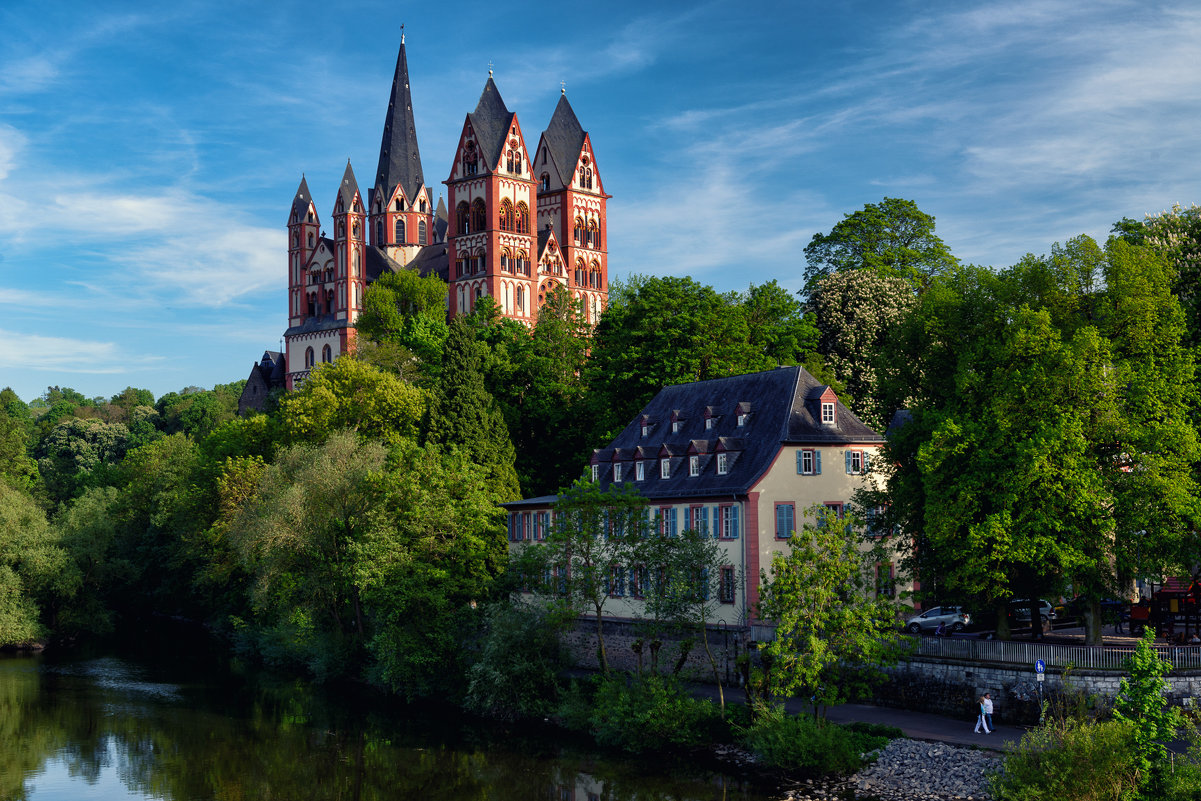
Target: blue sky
149	152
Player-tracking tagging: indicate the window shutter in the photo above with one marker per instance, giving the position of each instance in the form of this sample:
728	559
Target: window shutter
799	454
847	458
817	462
866	462
511	539
704	515
674	520
734	522
688	518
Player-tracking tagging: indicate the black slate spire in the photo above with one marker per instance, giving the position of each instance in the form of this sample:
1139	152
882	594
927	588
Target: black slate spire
564	138
348	189
300	203
490	121
399	159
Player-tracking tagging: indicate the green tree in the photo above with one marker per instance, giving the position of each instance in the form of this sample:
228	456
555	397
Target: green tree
74	449
594	533
892	238
777	324
1141	703
821	598
350	394
408	310
463	414
16	429
35	572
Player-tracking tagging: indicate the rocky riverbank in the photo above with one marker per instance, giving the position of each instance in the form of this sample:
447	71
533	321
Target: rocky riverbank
911	770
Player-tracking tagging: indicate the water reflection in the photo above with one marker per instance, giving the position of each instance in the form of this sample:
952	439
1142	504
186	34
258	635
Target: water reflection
117	728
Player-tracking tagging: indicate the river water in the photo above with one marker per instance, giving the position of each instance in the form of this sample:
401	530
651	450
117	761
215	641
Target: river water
194	727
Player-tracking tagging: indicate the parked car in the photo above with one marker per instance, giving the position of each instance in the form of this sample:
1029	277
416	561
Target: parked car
953	616
1019	612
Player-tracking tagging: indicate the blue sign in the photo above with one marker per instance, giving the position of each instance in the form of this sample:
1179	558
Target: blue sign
1040	666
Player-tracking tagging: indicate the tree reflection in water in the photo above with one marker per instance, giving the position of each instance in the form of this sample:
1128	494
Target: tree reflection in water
195	730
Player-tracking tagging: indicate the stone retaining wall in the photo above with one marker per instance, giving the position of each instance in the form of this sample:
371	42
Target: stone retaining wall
726	643
950	687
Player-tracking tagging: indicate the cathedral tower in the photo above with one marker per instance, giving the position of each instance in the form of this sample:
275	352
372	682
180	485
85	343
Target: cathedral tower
491	197
402	219
572	205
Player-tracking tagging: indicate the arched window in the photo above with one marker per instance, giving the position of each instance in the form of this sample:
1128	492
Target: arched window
506	261
400	204
509	161
579	272
312	304
400	230
523	218
308	358
579	230
506	215
521	299
422	207
329	301
479	215
470	160
460	268
462	219
593	234
327	354
460	304
479	292
379	233
421	232
481	261
594	275
355	261
544	181
310	240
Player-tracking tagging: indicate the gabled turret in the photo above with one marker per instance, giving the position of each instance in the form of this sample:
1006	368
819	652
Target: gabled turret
491	122
304	228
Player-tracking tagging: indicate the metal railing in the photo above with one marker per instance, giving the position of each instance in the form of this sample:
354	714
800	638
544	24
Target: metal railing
1095	657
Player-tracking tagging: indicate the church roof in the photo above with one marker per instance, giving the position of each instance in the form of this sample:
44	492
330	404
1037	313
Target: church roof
544	236
399	158
378	262
349	188
431	260
441	221
564	138
300	203
490	121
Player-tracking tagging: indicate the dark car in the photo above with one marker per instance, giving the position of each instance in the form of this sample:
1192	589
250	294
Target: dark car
1019	612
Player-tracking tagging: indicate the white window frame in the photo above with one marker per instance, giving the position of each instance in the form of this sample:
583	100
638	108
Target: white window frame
723	463
807	462
827	413
741	420
675	426
646	430
665	468
856	463
694	466
639	470
708	423
617	472
595	472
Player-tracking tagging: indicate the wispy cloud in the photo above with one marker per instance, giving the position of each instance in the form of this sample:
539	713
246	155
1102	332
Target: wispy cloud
66	355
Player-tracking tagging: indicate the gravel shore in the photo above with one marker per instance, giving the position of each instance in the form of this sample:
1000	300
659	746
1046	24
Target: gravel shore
911	770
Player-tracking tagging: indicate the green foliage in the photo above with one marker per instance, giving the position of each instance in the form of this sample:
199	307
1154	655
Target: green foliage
1070	760
650	713
811	745
197	411
821	597
1141	704
515	673
88	528
892	238
35	572
407	310
74	449
350	394
463	414
16	428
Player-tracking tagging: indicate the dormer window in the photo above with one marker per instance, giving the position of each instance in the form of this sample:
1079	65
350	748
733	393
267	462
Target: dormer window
595	472
617	473
646	429
741	420
665	468
723	463
675	426
708	423
640	471
827	413
694	466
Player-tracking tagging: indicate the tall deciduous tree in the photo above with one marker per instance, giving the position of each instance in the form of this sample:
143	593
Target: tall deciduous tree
408	310
891	238
35	571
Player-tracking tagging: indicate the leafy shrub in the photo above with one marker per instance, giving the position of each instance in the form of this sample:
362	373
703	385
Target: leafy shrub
650	713
1070	760
516	673
811	745
575	706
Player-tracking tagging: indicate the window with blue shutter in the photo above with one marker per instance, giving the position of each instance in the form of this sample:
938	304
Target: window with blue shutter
673	530
704	515
688	518
817	462
785	520
866	461
734	524
512	538
799	468
847	458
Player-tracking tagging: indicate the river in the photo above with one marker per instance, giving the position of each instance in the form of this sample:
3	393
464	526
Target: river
194	725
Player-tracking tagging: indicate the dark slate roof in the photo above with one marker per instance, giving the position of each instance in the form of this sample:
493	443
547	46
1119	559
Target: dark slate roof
378	263
543	237
782	413
399	159
541	500
349	188
564	138
432	260
300	203
490	121
326	322
441	221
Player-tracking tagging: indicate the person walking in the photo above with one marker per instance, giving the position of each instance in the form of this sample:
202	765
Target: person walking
986	705
980	717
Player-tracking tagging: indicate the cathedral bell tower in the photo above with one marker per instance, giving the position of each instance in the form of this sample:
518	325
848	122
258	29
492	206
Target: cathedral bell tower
402	212
350	236
304	229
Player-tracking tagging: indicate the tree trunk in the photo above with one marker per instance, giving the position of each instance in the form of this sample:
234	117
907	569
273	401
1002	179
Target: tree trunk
1093	623
600	642
1002	615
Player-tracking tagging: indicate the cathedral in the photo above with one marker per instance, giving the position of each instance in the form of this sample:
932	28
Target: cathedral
516	221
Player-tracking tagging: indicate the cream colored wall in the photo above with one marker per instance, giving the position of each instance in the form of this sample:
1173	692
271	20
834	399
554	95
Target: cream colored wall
782	484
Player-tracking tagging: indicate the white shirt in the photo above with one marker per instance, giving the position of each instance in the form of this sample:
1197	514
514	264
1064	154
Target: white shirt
988	706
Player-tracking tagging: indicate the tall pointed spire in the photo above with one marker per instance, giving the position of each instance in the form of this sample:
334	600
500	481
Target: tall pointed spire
564	137
491	120
399	158
349	188
300	203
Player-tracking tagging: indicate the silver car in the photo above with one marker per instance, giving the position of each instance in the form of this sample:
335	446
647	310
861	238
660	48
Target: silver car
953	616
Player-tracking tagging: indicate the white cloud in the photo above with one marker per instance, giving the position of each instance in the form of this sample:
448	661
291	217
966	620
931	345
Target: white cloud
65	355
